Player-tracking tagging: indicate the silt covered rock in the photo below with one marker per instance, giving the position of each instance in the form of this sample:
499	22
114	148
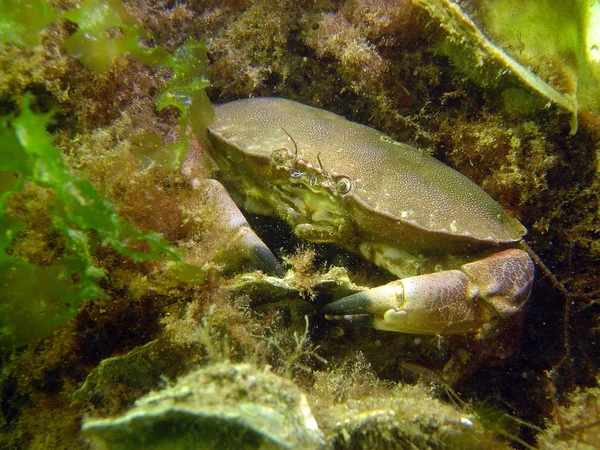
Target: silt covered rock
220	406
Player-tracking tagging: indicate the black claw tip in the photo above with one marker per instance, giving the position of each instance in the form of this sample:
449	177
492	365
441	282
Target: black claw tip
353	304
267	261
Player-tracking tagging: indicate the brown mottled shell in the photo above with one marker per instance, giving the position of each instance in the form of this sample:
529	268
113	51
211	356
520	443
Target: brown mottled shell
392	179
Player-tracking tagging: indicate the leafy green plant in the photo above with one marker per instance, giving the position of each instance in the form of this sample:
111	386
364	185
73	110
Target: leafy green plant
96	47
22	20
34	299
105	31
187	92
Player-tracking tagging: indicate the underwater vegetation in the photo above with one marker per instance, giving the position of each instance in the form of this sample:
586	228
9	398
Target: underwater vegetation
79	217
110	289
47	294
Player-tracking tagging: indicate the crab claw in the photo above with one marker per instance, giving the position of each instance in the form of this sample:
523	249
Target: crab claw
448	302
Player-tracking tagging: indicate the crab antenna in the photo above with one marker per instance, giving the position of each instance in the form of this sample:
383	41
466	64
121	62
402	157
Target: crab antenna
295	148
325	174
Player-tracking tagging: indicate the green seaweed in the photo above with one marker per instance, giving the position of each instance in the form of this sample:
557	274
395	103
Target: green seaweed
22	20
96	45
187	92
105	31
37	299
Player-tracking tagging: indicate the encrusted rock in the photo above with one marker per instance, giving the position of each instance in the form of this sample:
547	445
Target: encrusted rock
222	406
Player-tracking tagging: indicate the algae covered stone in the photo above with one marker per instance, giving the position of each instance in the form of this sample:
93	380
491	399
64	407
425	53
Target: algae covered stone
404	417
550	46
220	406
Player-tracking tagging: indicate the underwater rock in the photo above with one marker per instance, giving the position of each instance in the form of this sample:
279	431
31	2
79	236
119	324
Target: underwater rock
550	47
403	417
220	406
335	283
136	372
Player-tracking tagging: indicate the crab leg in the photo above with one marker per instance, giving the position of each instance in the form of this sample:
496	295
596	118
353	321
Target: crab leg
237	241
448	302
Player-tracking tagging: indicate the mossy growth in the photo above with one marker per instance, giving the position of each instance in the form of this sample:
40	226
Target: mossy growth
38	298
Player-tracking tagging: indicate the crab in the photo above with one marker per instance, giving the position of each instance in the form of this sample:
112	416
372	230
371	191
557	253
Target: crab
454	250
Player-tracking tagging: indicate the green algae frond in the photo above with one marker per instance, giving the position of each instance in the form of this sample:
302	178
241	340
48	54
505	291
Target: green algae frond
21	21
37	298
95	47
186	91
105	31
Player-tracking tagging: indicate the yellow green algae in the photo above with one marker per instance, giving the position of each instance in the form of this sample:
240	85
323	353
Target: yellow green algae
80	217
47	294
374	61
22	21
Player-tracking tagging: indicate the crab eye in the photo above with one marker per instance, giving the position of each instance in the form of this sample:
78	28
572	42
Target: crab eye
343	185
